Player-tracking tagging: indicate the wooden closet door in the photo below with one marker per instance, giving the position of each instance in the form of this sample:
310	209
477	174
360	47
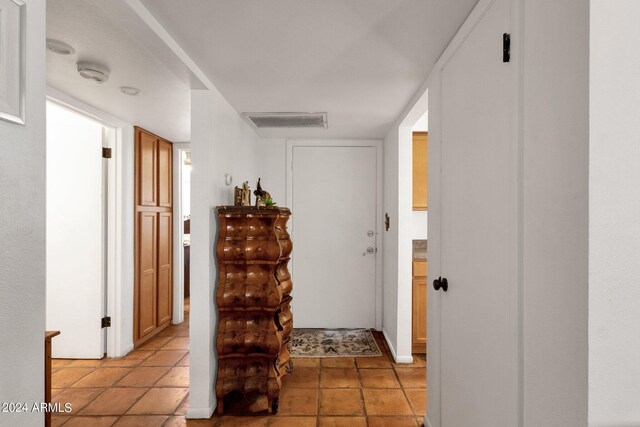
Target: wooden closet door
147	179
165	270
165	178
153	285
146	291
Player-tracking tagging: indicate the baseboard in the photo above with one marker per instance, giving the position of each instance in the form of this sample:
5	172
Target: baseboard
404	359
127	351
391	348
427	422
396	358
200	413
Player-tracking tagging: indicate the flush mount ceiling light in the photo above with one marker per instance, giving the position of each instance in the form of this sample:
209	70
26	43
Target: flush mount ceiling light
94	72
61	48
287	120
128	90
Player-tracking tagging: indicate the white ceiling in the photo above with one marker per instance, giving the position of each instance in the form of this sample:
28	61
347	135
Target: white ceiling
359	60
99	35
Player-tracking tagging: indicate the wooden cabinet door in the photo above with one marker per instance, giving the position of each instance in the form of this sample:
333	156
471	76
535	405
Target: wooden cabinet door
165	270
147	170
419	339
153	239
147	273
165	175
420	171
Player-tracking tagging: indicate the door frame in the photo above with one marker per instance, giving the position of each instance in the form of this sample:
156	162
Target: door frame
178	234
117	136
109	236
375	143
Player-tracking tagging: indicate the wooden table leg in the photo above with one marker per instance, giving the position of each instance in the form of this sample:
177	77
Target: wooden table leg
47	373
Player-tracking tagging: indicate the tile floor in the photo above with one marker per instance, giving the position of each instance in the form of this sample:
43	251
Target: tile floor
149	387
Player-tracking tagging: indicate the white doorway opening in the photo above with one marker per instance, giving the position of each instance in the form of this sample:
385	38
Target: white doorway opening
181	225
77	233
410	225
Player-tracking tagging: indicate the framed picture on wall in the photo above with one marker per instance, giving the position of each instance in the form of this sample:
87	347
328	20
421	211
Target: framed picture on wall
12	61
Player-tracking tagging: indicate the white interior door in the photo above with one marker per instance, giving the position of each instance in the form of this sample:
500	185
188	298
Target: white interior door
333	230
74	240
478	324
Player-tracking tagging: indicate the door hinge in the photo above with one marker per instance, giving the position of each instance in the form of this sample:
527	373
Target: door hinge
106	153
106	322
506	47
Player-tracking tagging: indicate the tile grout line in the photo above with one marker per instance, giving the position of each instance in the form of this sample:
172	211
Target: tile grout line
115	385
320	367
364	406
404	393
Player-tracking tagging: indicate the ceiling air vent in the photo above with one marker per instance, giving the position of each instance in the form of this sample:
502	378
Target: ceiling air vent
287	120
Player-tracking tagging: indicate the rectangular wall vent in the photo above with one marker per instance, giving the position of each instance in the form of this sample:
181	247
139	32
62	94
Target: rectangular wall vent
287	120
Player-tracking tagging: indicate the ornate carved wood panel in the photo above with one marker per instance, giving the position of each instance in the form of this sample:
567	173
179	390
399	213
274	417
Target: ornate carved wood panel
253	297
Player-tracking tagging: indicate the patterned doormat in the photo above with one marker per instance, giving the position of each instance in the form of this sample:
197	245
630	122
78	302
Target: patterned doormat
334	343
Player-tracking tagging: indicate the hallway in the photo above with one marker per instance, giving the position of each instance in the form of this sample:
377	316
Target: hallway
149	387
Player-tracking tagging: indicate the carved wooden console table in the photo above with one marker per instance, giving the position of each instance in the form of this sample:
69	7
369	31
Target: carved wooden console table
254	312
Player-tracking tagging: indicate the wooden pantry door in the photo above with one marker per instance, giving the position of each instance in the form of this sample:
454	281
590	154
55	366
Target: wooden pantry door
153	287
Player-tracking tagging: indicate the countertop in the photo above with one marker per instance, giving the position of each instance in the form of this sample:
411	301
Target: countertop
420	250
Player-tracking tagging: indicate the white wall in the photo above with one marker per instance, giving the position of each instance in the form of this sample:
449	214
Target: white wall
419	225
397	254
390	241
272	168
555	211
22	229
221	142
186	188
406	225
422	124
614	214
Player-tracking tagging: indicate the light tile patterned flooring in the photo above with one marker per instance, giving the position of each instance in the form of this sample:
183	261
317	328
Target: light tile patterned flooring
149	387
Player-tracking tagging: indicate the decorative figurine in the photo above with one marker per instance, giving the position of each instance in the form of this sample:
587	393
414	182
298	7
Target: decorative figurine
263	198
237	196
246	194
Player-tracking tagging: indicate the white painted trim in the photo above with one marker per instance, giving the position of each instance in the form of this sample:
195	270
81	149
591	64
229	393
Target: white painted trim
396	358
85	109
116	345
404	359
201	413
111	140
377	144
163	34
389	344
404	321
427	422
110	236
178	233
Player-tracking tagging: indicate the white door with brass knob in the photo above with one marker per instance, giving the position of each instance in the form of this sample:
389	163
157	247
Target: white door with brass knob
333	228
